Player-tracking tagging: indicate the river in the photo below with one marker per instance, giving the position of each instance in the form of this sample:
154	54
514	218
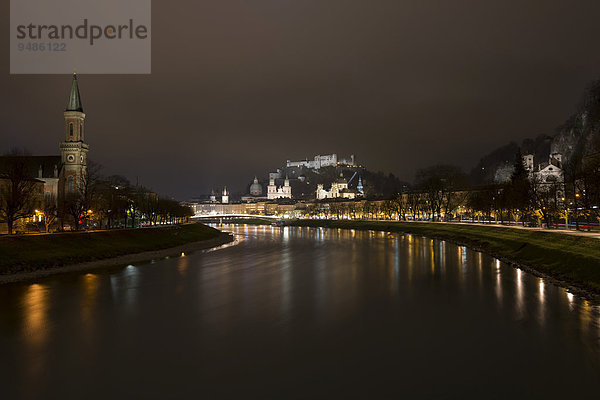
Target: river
301	313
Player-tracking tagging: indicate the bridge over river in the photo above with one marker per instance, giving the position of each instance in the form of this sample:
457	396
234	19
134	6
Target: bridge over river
225	216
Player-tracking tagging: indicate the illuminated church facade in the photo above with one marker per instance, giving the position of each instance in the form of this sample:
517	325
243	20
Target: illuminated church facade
62	175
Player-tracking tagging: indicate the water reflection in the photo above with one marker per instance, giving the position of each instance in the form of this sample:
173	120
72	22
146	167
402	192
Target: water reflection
286	285
36	329
124	288
462	253
519	304
286	234
90	289
398	255
395	281
35	307
304	294
498	275
183	265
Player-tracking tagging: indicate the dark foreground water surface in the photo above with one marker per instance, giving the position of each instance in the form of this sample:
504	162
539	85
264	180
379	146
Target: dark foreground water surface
301	313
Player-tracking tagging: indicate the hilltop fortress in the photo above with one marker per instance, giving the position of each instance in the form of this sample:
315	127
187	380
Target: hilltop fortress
329	160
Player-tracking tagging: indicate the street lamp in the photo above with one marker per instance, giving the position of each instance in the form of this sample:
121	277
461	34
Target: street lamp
38	215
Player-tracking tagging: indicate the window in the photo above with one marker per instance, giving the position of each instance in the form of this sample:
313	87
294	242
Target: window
70	129
70	185
81	131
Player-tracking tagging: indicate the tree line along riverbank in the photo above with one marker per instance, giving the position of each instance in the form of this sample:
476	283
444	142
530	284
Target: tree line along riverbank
571	259
29	253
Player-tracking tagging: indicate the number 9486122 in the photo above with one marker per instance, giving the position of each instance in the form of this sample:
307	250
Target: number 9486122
42	46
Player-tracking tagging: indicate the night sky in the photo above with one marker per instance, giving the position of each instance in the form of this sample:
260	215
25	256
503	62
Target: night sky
238	87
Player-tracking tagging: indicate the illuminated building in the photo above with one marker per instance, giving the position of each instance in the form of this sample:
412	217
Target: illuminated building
256	188
73	150
225	196
281	192
339	189
61	174
329	160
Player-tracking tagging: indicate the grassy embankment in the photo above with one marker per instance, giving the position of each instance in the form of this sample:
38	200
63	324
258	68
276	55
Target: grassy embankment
569	258
37	252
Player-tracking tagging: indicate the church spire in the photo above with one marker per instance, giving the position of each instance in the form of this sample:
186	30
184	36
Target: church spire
74	103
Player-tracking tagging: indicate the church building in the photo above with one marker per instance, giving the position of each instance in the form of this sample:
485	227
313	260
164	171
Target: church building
339	189
281	192
61	174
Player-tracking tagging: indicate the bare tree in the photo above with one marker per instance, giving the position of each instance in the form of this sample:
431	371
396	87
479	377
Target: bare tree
50	211
544	197
20	194
400	205
388	208
439	183
114	197
77	203
414	203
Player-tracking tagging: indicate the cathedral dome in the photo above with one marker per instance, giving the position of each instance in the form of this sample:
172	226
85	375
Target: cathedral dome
256	188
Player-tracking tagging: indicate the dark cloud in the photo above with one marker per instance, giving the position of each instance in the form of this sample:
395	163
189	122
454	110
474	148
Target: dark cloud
240	86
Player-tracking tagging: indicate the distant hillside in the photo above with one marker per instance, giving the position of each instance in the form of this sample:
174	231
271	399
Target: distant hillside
578	136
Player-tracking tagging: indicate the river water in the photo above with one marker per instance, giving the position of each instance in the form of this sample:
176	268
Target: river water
301	313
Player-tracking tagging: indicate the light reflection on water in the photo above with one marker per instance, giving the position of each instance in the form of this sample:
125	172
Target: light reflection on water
35	308
296	282
529	296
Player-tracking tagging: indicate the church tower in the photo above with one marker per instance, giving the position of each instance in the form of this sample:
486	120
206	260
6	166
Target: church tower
73	150
271	189
287	189
360	187
225	197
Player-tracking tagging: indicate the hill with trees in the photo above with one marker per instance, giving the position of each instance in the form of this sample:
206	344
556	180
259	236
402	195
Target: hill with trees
577	138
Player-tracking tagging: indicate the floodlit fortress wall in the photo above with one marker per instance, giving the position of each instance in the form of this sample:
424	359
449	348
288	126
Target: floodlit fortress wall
329	160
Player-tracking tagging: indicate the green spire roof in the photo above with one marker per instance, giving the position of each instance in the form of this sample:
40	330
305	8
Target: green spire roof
74	103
